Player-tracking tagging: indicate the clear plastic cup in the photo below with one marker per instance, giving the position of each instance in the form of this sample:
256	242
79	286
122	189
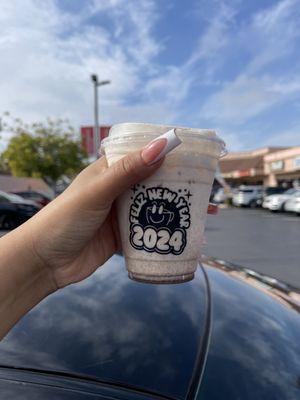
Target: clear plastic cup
162	219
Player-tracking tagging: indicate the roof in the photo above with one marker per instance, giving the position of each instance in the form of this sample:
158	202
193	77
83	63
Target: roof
116	330
283	154
10	183
241	164
253	153
246	160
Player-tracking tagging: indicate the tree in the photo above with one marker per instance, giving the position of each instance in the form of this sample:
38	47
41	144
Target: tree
43	150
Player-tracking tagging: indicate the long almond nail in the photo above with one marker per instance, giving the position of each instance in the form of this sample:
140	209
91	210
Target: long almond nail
160	146
153	150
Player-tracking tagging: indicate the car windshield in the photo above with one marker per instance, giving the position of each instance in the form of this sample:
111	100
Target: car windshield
245	190
290	191
12	197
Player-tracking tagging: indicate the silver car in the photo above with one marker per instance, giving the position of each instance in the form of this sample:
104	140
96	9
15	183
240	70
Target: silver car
293	204
276	202
248	196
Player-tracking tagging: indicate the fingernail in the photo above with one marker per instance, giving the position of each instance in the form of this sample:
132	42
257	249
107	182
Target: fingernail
160	146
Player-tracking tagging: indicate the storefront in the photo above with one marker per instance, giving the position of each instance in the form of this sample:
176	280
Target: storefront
282	168
245	168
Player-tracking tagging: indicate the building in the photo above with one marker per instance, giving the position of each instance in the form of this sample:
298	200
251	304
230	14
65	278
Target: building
283	167
10	183
246	167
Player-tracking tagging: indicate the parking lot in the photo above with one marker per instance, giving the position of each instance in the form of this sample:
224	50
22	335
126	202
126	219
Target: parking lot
258	239
255	238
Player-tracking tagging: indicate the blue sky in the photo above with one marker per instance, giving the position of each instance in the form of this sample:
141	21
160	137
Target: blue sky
231	65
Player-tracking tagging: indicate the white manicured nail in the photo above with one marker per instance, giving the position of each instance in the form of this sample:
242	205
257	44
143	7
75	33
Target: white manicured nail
172	142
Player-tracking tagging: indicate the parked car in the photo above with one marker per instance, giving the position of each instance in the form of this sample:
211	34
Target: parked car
220	196
231	333
276	202
248	196
269	190
14	210
41	198
293	204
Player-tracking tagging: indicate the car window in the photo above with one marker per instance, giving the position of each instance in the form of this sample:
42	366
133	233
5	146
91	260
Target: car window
290	191
34	195
12	197
3	199
31	195
245	191
22	194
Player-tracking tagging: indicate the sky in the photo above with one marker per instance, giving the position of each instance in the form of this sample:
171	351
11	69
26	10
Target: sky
229	65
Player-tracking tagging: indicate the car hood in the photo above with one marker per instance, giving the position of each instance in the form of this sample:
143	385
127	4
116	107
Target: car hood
157	337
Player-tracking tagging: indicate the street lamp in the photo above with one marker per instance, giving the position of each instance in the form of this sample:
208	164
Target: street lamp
97	83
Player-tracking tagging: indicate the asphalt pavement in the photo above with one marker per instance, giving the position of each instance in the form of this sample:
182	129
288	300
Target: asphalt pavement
258	239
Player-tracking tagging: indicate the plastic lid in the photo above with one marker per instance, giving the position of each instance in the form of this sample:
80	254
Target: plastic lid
136	131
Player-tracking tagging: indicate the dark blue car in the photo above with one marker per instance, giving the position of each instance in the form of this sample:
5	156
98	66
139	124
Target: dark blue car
14	210
228	334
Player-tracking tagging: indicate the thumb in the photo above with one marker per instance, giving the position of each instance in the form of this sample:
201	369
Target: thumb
131	169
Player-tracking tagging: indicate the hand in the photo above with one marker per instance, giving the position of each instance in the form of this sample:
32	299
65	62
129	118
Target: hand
78	231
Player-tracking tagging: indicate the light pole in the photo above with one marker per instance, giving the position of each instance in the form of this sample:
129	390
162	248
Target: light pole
97	83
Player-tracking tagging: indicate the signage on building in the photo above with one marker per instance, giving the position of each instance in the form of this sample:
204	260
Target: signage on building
276	165
297	162
243	173
87	137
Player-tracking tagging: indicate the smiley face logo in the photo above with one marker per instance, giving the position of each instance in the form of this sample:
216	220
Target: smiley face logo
159	218
158	215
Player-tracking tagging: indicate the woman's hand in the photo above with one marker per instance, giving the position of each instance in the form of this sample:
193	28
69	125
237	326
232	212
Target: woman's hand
78	231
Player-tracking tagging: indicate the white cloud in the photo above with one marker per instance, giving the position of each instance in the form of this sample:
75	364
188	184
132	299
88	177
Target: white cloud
133	22
48	54
216	35
274	33
240	100
289	137
233	139
172	85
269	19
270	36
248	96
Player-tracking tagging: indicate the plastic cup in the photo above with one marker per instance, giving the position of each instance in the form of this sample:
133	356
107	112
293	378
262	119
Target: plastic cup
162	219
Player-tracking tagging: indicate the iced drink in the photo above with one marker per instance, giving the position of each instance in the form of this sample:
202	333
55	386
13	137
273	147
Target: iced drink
162	218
